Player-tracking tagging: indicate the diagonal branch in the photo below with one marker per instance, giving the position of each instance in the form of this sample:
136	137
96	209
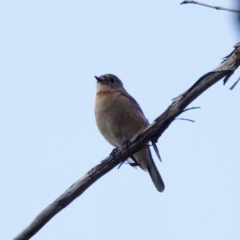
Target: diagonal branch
151	133
210	6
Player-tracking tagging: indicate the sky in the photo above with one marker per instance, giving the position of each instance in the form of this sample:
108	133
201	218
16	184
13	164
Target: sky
50	52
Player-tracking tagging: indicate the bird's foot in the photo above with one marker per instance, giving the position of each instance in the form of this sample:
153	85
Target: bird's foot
113	153
126	144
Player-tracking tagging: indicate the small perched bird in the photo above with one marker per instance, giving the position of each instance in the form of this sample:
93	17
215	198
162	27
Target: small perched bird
119	118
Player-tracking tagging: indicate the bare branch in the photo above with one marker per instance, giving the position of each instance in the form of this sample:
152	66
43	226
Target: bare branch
156	151
210	6
191	108
150	133
185	119
233	86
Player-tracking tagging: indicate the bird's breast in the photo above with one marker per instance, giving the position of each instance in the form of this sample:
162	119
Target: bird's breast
117	118
106	118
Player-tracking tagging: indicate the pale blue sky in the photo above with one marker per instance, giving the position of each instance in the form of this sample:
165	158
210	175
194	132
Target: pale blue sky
50	52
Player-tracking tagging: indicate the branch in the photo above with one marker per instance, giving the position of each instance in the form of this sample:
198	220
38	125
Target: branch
150	133
210	6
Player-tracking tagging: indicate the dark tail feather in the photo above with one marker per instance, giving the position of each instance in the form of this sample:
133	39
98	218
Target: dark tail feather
155	175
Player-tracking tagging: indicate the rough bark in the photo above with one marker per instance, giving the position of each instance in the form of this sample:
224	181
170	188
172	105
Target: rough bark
151	133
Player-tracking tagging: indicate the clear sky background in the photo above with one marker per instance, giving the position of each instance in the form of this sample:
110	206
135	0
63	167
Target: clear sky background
50	52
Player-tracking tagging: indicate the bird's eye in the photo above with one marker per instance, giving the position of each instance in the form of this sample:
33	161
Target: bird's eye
111	80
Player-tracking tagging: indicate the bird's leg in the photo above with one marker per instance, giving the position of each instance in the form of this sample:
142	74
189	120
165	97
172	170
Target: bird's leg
126	144
135	164
113	155
113	152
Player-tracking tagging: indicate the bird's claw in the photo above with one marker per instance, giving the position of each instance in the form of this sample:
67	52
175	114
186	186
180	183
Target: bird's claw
112	154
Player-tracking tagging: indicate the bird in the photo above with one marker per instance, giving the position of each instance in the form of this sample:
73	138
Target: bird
119	117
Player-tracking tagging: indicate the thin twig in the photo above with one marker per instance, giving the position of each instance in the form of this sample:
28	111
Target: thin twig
211	6
156	151
191	108
185	119
233	86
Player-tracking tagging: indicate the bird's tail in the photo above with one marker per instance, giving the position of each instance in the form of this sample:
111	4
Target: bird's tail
154	173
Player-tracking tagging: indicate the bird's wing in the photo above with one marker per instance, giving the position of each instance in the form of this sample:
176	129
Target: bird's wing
132	101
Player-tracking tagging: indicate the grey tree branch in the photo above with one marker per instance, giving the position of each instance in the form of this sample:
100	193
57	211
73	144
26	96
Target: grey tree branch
211	6
151	133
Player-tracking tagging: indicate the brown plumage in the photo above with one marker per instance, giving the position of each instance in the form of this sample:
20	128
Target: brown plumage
119	118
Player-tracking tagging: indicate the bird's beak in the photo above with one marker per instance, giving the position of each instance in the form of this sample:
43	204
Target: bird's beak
98	78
